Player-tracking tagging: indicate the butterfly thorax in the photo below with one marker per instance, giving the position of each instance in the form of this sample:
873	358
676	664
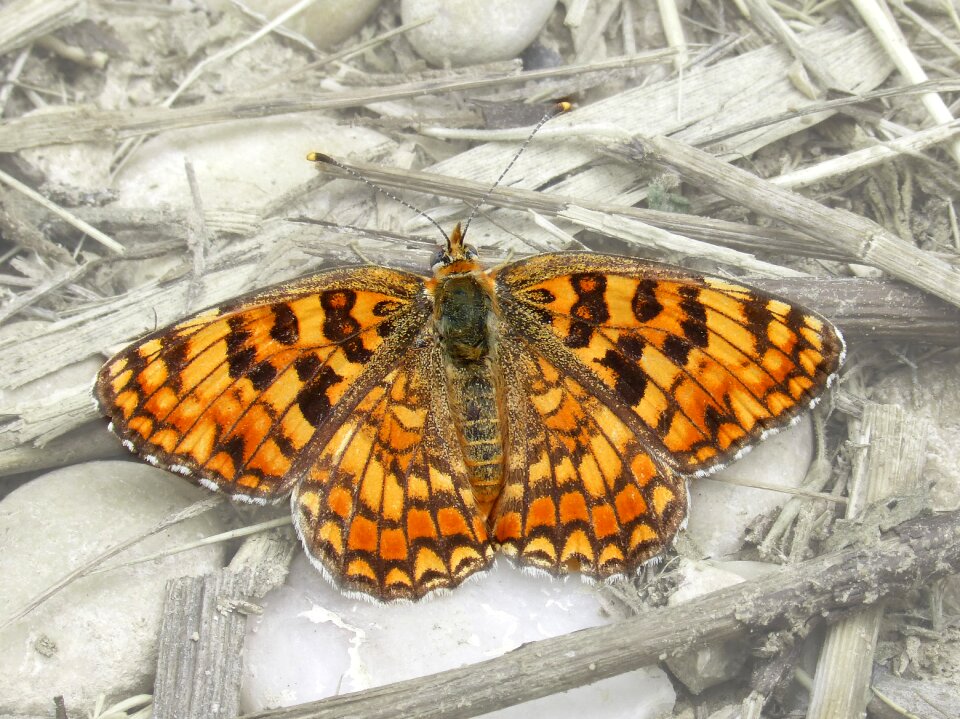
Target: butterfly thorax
463	310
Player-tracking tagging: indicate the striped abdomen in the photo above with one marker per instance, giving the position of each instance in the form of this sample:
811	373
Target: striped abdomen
463	309
474	405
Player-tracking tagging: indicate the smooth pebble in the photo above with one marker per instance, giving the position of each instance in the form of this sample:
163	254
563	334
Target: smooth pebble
465	32
99	634
325	23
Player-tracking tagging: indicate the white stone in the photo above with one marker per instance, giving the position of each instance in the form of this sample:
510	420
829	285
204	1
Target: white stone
325	23
240	165
720	513
98	635
312	642
466	32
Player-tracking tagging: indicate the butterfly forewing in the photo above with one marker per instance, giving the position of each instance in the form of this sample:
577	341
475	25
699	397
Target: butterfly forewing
699	367
234	396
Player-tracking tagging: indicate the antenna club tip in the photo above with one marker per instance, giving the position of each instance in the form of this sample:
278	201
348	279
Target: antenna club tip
319	157
564	106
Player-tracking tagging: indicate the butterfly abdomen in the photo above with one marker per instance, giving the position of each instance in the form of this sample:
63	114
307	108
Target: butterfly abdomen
463	310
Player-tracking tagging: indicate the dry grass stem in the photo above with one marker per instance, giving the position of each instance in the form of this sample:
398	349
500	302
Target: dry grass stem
762	11
673	31
868	157
884	26
112	125
862	238
23	21
63	214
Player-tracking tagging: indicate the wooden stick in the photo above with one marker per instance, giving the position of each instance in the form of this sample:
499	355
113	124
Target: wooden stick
913	554
885	28
736	235
199	663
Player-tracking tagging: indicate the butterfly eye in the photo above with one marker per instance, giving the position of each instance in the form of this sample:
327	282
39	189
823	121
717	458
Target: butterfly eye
470	252
440	259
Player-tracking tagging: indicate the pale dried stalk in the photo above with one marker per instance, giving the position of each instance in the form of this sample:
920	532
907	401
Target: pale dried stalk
888	33
891	466
68	217
646	235
868	156
576	10
673	31
110	125
928	27
870	243
23	21
761	10
720	232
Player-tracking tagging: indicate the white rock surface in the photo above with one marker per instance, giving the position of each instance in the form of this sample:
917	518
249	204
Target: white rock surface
720	513
466	32
312	642
98	634
325	22
240	165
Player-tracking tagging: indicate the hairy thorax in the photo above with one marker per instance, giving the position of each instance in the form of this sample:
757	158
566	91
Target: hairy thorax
464	310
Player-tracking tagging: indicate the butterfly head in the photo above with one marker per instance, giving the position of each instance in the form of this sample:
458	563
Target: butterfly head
456	257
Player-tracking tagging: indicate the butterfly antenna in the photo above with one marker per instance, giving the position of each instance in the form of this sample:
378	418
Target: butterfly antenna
557	109
327	160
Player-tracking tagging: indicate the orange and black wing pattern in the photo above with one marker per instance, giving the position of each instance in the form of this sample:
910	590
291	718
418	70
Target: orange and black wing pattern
640	374
386	507
582	492
237	397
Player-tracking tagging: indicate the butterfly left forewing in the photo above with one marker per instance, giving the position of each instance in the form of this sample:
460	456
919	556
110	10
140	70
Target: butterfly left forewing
701	367
234	397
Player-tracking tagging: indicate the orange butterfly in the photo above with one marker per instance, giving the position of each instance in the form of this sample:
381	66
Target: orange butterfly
551	408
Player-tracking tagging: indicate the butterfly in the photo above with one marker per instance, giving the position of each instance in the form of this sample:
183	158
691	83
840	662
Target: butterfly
551	409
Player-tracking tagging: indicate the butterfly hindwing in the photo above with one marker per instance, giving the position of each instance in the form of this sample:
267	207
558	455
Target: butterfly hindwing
581	491
387	507
234	396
